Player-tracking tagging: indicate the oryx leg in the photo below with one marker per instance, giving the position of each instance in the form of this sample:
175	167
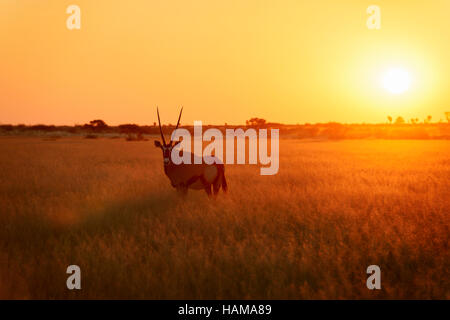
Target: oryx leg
216	185
218	181
206	185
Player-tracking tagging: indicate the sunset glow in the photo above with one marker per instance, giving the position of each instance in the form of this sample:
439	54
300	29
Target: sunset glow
396	81
225	61
190	153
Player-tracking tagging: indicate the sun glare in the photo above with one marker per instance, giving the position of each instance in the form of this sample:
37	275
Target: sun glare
396	81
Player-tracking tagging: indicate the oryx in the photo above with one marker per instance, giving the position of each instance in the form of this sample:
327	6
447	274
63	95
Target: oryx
191	176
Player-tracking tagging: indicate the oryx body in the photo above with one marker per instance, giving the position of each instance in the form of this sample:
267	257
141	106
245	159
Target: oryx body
186	176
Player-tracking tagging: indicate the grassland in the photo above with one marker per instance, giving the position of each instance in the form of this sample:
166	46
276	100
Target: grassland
308	232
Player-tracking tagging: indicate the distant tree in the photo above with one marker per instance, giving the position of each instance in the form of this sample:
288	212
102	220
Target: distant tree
447	116
413	121
399	120
428	119
96	125
389	119
154	124
256	122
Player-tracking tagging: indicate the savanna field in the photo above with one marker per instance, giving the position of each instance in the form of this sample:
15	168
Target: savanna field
309	232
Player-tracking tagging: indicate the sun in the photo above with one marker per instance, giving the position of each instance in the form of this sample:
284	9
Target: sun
396	80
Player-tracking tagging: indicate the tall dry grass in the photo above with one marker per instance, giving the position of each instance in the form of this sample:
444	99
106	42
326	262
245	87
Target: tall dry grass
308	232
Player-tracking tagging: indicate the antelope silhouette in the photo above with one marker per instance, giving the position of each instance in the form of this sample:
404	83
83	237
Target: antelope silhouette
186	176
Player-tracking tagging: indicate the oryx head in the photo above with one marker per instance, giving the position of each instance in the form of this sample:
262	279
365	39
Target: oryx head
166	147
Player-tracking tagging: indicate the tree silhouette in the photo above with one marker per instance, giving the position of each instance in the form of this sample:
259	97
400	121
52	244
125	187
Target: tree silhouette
447	116
389	119
256	122
399	120
96	125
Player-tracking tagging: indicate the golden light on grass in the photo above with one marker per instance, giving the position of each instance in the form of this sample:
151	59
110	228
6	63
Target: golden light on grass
308	232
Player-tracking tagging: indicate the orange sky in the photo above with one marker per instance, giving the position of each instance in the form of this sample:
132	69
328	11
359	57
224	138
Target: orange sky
288	61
